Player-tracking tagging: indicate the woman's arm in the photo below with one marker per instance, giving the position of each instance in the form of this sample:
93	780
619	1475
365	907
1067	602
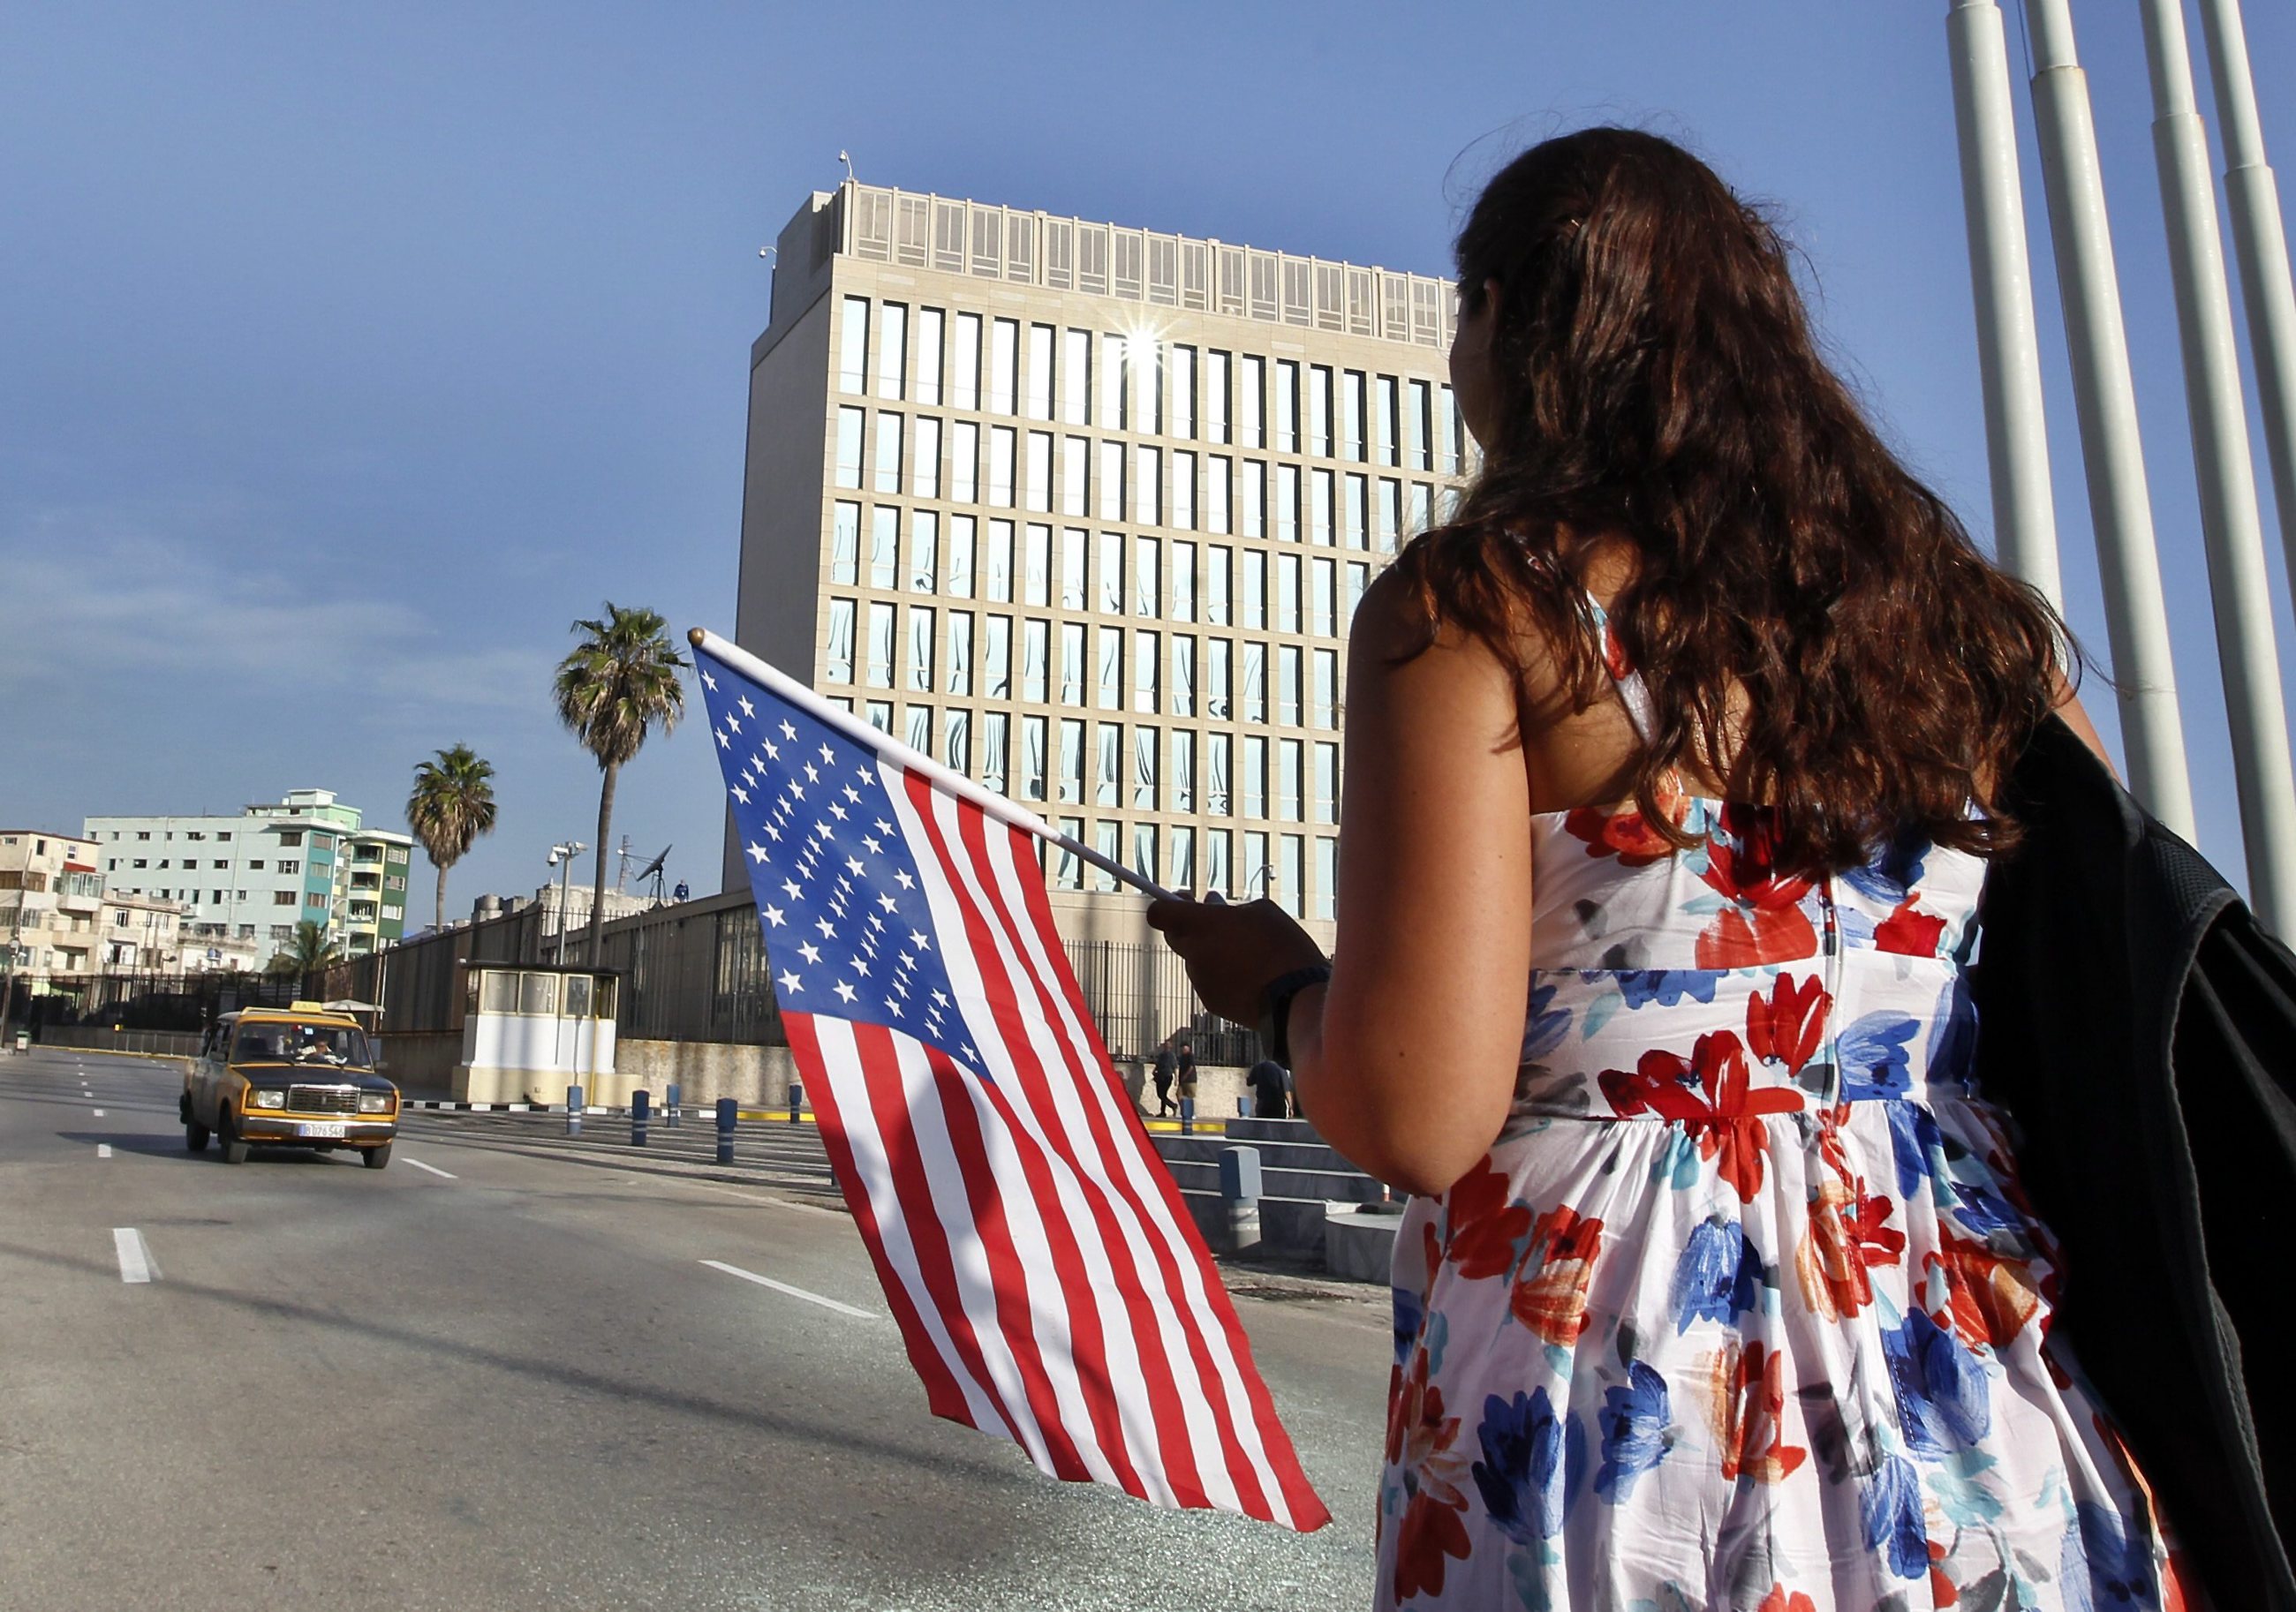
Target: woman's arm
1407	1060
2068	706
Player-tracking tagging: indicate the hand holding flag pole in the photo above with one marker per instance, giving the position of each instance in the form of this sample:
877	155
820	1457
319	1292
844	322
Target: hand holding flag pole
998	807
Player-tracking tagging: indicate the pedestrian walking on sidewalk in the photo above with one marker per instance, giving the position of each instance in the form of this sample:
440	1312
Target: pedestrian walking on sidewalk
1167	1063
1268	1085
1675	763
1184	1072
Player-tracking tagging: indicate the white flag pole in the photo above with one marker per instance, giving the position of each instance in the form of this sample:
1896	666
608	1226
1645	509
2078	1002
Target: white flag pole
784	687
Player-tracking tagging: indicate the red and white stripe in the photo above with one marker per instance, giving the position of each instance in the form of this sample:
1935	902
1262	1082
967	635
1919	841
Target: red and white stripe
1047	1280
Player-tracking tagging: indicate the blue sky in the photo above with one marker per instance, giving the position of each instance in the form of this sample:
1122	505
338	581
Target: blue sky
347	355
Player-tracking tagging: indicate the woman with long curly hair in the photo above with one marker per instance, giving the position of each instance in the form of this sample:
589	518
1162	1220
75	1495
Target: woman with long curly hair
1674	762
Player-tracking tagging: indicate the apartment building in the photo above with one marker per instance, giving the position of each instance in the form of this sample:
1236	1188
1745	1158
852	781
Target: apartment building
51	901
1084	512
252	876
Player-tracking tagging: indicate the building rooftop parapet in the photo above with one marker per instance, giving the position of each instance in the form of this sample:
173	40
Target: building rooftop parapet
910	229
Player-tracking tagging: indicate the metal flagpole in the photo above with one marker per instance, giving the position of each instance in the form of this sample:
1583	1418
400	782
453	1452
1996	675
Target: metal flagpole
2008	349
787	687
2104	398
2260	243
2230	523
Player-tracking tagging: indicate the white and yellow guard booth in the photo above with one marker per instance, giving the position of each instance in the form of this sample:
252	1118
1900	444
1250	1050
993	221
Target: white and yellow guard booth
529	1031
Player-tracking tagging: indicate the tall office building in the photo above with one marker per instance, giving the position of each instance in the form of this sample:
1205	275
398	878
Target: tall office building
1084	512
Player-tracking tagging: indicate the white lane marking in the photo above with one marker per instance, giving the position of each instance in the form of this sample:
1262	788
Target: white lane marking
783	1287
103	1150
434	1169
99	1113
135	1261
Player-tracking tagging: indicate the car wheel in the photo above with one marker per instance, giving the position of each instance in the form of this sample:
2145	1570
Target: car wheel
374	1158
195	1137
234	1145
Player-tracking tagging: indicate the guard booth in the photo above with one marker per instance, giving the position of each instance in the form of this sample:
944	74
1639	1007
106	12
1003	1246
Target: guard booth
530	1030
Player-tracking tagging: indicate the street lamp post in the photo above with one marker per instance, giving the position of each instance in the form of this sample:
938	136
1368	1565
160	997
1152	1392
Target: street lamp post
561	857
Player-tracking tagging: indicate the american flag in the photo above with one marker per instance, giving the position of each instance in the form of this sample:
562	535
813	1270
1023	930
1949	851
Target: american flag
1046	1279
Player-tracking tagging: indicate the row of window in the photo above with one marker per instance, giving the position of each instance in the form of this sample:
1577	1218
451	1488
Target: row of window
279	898
1140	766
285	865
288	838
1172	674
1217	583
1104	480
1143	384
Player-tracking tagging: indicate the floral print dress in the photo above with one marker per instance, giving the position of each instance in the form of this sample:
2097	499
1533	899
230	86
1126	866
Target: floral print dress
1745	1309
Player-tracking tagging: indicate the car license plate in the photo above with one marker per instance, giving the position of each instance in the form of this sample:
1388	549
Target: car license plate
320	1128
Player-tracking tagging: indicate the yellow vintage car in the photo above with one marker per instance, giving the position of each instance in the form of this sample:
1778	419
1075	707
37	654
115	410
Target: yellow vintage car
296	1076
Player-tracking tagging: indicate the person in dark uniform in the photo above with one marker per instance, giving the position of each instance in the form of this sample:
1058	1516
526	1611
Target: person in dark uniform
1167	1063
1270	1089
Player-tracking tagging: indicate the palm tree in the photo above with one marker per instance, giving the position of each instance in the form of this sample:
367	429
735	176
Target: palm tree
620	683
311	950
453	804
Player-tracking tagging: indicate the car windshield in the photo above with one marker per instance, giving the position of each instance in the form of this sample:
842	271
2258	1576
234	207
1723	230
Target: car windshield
322	1045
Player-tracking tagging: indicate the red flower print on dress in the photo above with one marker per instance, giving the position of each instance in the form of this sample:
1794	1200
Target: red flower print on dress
1941	1591
1847	1234
1786	1026
1779	1600
1487	1231
1746	1408
1712	1095
1551	1300
1628	835
1420	1440
1906	932
1764	923
1991	1295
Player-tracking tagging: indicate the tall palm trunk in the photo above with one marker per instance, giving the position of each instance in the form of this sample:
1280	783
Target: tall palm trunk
598	887
439	907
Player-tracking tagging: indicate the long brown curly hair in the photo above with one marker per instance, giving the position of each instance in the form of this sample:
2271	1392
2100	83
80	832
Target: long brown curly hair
1812	622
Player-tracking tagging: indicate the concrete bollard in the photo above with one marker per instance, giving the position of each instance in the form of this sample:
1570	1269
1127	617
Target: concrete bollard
727	1112
796	1100
573	1110
673	1113
641	1110
1239	1174
1187	1116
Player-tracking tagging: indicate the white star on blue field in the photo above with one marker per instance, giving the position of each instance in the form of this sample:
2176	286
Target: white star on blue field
848	934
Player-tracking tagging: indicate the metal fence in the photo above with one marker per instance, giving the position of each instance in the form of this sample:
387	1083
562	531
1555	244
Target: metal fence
694	971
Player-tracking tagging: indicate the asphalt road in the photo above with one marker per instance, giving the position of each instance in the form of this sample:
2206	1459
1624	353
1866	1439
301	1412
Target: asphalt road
509	1380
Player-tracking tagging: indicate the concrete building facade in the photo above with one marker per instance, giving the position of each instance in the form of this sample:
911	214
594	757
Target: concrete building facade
254	875
51	905
1084	512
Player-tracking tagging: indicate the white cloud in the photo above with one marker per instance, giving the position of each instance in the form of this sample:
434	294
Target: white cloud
98	597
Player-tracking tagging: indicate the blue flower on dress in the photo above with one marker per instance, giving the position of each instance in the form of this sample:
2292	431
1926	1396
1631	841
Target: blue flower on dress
1917	1143
1636	1432
1891	1507
2104	1567
1874	1060
1982	1211
1532	1462
1718	1277
1666	986
1953	1035
1893	872
1547	1026
1410	1313
1944	1401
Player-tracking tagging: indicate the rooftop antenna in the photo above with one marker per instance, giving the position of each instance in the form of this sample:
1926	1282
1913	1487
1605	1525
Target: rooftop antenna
652	870
848	161
622	877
